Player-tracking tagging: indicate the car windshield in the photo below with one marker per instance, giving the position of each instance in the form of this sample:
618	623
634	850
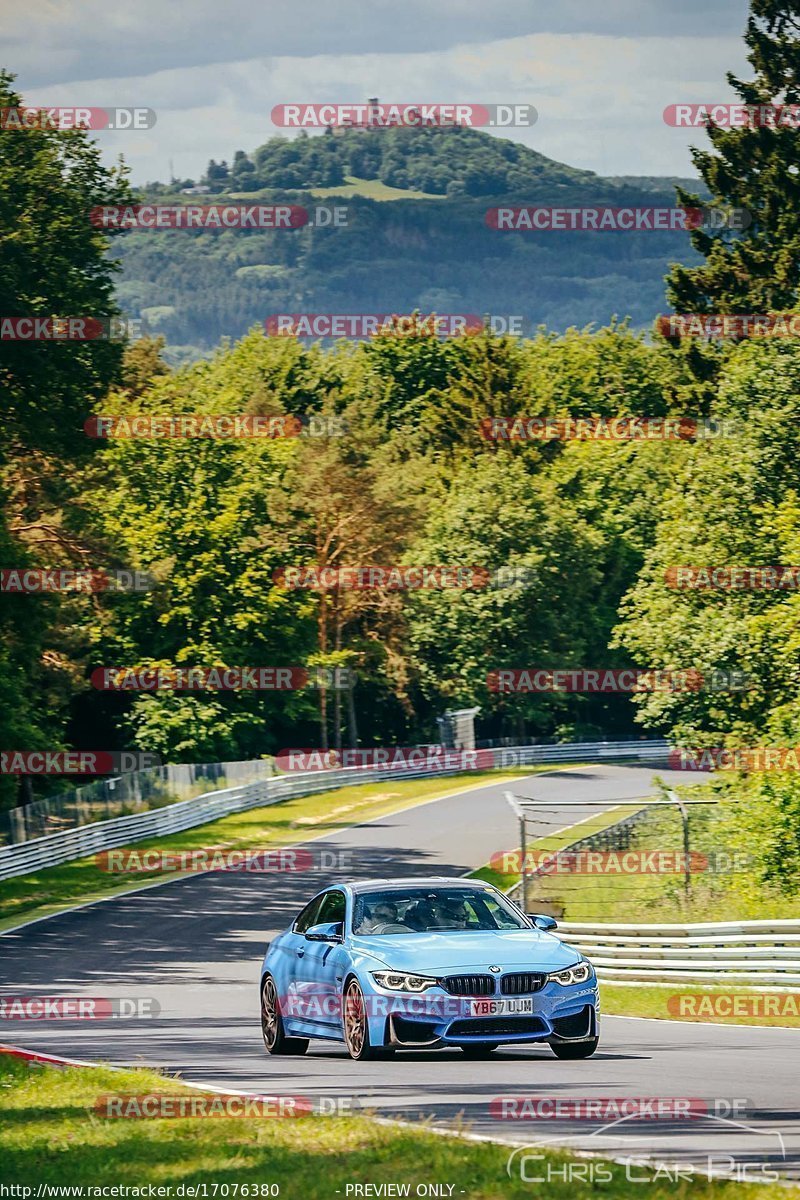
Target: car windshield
424	910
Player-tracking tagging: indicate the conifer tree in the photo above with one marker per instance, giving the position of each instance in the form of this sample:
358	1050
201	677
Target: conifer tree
755	168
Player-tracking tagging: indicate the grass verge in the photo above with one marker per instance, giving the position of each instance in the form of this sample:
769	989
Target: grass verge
53	889
52	1135
720	1005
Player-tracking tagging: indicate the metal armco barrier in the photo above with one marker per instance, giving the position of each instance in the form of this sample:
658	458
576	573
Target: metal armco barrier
653	751
745	952
86	840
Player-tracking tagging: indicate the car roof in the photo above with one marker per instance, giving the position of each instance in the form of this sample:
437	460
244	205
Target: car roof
369	885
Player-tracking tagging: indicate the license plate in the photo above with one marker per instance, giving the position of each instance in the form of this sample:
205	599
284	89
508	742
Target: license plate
499	1008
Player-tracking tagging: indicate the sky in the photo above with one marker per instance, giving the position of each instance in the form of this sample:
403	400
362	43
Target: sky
599	76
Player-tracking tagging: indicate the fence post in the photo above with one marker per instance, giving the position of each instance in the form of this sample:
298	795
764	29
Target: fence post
687	866
16	824
523	849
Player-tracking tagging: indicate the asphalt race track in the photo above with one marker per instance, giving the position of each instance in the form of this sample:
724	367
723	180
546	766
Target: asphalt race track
195	946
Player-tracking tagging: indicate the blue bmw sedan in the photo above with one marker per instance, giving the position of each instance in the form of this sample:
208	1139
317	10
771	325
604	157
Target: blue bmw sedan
424	963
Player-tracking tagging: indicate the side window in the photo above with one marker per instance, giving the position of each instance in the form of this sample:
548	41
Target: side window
333	908
308	916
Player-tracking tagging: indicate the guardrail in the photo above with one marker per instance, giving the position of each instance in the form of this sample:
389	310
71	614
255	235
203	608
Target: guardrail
729	951
86	840
653	751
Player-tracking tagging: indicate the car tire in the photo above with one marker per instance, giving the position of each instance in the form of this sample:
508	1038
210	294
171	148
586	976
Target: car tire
272	1031
575	1049
356	1026
480	1050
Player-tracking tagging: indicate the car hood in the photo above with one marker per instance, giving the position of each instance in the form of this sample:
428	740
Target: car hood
437	953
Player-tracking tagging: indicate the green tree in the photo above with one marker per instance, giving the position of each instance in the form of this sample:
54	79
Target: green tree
734	502
53	263
198	515
755	168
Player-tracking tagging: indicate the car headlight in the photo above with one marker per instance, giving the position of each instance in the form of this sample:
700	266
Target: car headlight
577	974
399	981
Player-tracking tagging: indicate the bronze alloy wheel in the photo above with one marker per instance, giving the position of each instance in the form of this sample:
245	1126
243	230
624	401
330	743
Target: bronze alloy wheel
275	1039
355	1021
356	1026
269	1014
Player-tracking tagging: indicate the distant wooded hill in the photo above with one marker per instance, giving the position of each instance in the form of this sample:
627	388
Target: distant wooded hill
415	237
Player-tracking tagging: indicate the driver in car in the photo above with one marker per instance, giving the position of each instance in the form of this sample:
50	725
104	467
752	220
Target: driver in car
384	913
451	914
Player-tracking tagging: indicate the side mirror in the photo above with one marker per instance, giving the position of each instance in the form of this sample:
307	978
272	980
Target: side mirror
331	931
542	922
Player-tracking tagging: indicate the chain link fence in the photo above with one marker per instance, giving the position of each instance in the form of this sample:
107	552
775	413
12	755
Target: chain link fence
124	795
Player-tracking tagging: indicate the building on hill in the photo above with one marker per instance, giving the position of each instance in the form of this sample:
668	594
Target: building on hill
373	123
370	122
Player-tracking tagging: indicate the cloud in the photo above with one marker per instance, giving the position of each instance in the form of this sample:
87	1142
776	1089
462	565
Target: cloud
77	40
600	98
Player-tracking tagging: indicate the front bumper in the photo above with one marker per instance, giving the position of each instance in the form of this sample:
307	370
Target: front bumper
437	1019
